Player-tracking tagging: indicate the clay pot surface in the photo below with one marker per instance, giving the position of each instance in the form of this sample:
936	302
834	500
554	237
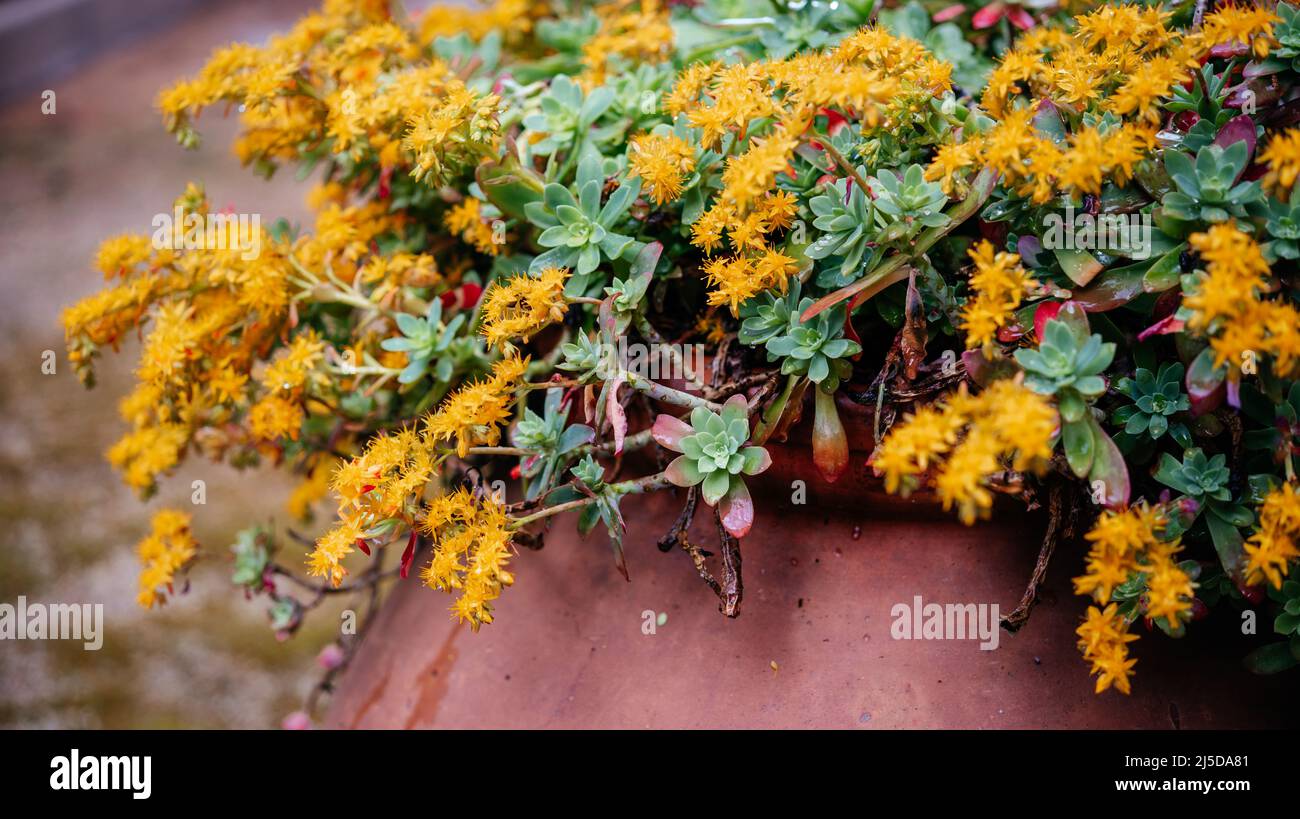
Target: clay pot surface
812	647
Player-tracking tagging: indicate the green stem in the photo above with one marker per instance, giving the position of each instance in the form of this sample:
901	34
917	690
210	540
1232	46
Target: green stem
709	48
840	160
668	395
981	187
638	486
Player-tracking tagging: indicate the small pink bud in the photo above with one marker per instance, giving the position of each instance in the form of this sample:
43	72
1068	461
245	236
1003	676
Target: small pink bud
297	721
330	657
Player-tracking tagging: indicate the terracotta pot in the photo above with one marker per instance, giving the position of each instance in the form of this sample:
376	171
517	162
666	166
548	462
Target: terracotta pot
812	647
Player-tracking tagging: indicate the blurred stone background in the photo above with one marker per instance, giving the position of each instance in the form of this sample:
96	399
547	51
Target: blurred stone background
102	165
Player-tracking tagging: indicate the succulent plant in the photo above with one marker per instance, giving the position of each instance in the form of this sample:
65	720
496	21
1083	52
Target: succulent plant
907	204
579	231
628	293
586	357
845	216
251	557
1282	221
1156	397
1067	365
1288	597
1200	478
715	458
1287	33
590	472
551	438
815	348
424	339
1207	189
566	113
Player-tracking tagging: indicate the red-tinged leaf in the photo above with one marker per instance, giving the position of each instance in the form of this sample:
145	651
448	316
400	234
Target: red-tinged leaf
589	402
1011	333
1233	387
952	12
1166	325
1108	467
681	472
1046	311
867	286
913	336
469	295
988	16
1238	129
1203	381
1020	18
835	121
668	432
617	417
408	556
1224	51
1029	246
737	509
829	443
363	546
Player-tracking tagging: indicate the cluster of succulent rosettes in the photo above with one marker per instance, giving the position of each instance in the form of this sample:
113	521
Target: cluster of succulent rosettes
714	457
1156	398
814	348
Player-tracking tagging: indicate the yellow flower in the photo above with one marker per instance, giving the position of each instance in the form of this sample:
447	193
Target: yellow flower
1272	547
120	255
999	283
274	417
1006	425
663	161
471	548
166	550
520	306
465	219
473	415
1103	640
1282	155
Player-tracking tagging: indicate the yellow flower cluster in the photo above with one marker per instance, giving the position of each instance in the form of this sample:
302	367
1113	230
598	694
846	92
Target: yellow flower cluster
513	18
638	30
1226	303
166	550
1000	283
1124	543
376	490
1005	426
465	219
758	114
1103	640
663	161
1130	541
471	547
1272	546
473	415
523	304
354	79
1282	156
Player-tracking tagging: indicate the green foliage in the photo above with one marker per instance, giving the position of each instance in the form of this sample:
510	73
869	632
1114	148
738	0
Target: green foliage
428	338
1208	190
1067	365
1156	397
579	232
